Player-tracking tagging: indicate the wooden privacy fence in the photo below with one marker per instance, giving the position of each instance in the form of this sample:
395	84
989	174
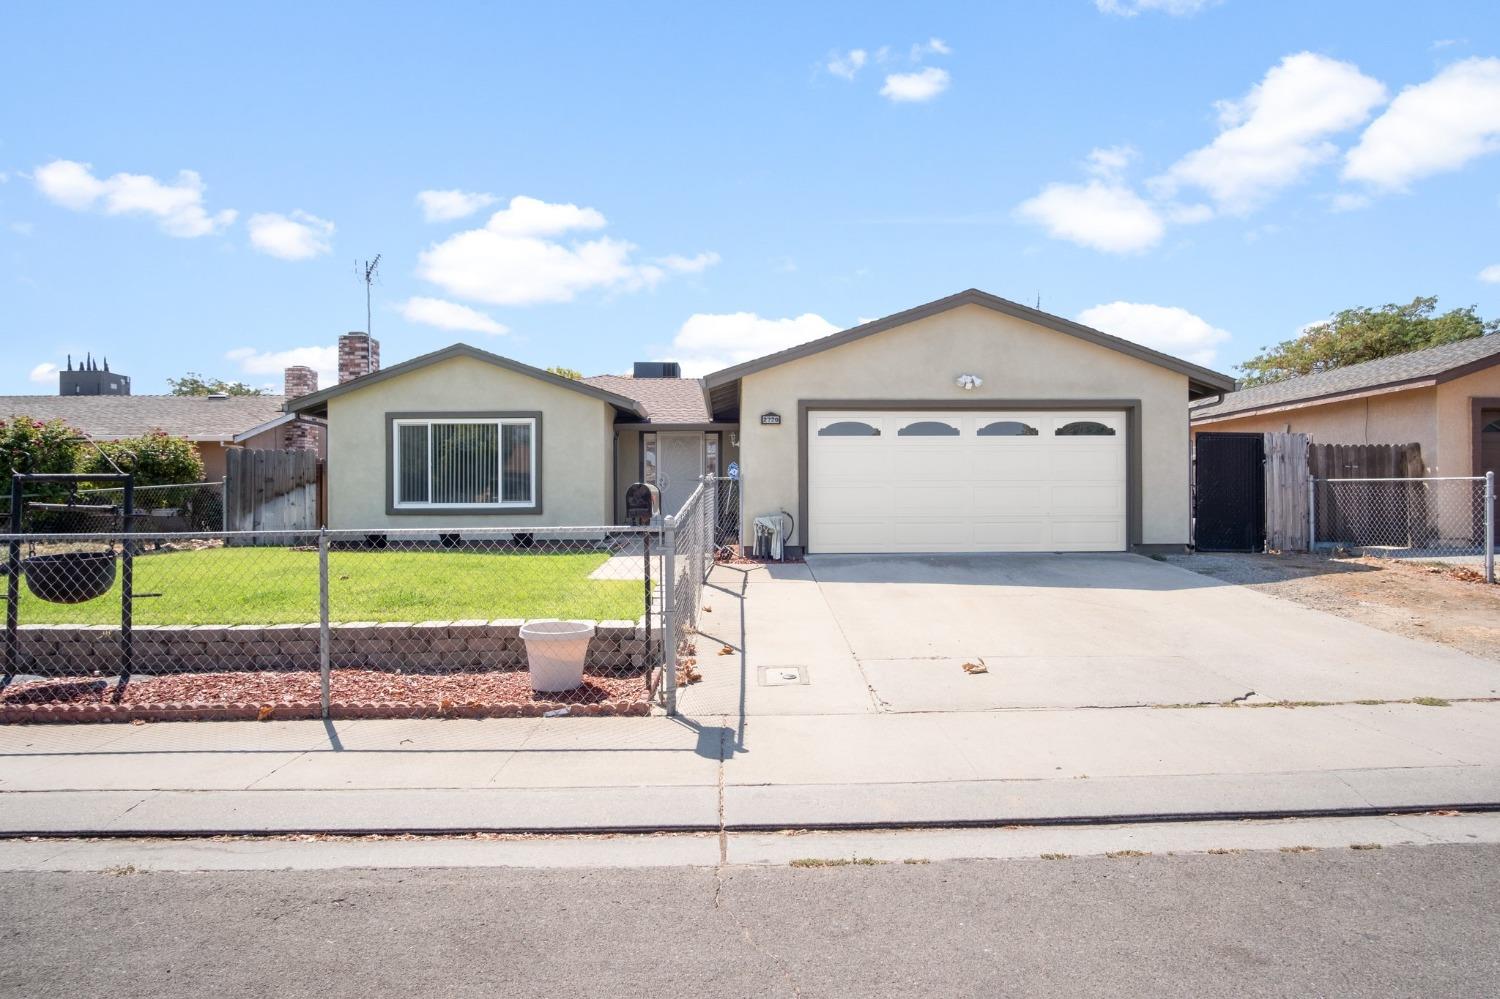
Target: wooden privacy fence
272	490
1286	492
1379	505
1292	461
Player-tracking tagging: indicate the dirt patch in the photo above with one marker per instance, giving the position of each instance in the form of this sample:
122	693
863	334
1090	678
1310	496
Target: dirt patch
1436	603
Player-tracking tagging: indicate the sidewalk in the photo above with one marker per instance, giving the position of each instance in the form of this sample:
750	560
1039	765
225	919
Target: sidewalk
717	773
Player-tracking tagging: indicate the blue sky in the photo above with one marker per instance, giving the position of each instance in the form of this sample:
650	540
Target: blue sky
710	182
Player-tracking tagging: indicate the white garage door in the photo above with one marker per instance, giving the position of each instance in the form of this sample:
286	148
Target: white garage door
966	481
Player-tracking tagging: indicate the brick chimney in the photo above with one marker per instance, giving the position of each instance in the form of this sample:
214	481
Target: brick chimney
299	380
359	354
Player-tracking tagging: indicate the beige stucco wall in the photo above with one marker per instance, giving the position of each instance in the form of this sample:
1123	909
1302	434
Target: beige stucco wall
576	454
1405	417
1016	359
1455	425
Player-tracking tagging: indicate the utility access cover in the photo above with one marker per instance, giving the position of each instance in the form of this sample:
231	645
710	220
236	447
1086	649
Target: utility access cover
783	676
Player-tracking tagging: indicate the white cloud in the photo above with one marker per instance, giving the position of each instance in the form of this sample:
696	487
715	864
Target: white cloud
512	260
1130	8
1434	127
933	46
689	265
847	64
1100	214
1166	328
1347	201
445	206
534	217
298	236
43	373
923	85
1110	161
1277	133
1491	274
176	206
323	360
710	341
450	316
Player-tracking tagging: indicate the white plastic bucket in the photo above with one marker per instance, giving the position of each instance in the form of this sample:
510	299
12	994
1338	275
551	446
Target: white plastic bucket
555	651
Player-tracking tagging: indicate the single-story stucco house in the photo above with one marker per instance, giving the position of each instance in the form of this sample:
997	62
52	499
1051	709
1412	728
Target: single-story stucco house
1446	398
971	423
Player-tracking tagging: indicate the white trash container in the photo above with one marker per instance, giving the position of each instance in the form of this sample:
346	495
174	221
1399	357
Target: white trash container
555	651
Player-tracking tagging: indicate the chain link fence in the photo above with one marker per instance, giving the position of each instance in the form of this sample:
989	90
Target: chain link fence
183	507
1443	519
115	625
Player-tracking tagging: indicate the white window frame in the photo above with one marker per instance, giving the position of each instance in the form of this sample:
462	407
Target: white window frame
499	423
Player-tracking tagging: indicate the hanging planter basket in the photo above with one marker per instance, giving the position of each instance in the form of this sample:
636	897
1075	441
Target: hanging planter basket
69	577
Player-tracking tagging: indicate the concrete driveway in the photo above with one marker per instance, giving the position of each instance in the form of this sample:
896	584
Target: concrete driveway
861	634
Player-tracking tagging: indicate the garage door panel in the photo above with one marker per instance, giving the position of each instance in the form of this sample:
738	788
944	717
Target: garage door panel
1017	498
1096	499
1085	534
1008	463
937	499
984	481
1013	534
926	462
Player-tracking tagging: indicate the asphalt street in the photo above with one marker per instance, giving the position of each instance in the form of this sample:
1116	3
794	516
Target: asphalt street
1378	922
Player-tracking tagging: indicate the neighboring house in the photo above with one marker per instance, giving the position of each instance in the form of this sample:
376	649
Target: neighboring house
462	436
967	424
1447	399
213	423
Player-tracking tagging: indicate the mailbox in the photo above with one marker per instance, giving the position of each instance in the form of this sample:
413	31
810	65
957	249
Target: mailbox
642	504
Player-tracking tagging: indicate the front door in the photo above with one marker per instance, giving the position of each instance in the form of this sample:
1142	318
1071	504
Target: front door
679	466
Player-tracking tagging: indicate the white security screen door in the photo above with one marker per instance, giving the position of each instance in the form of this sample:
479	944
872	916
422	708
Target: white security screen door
679	466
966	481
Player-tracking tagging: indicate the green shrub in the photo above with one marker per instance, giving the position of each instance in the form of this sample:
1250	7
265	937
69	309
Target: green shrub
157	459
28	445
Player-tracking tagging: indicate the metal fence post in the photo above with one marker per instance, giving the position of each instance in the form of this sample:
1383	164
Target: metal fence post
668	629
1312	515
323	658
1489	527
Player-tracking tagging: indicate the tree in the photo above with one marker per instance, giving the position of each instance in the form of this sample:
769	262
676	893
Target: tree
1364	334
193	383
562	372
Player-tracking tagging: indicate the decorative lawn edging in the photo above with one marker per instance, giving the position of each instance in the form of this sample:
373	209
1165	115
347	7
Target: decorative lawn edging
88	650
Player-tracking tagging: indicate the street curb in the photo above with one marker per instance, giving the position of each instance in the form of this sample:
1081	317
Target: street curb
617	830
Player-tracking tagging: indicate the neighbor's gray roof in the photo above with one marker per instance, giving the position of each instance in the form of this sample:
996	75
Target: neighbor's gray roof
1416	368
316	401
1200	379
666	400
107	417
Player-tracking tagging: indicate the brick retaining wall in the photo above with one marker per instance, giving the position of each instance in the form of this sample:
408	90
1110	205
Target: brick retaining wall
81	650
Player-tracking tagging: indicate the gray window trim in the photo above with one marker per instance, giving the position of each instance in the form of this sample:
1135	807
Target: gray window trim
1130	407
461	511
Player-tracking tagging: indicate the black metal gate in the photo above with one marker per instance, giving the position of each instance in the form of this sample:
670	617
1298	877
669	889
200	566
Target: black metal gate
1229	494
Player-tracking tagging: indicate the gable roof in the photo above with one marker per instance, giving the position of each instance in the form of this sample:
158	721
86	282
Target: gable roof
316	403
1414	369
666	400
1201	380
110	417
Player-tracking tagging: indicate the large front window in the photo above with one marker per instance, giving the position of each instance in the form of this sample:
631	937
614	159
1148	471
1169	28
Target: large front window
464	463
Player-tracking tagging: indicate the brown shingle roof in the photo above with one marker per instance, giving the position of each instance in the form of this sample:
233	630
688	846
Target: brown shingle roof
666	400
106	417
1414	366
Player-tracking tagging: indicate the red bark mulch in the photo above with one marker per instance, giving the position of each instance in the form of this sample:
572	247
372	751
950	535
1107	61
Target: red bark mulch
354	693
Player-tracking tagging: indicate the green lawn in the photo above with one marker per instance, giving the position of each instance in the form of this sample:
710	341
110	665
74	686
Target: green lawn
278	586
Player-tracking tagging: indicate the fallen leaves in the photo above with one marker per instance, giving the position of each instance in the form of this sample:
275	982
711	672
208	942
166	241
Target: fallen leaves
726	650
974	669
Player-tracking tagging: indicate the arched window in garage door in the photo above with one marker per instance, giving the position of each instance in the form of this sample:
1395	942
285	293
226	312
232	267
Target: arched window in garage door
849	428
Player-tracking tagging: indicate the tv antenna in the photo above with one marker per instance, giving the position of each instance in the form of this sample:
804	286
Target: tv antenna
367	273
